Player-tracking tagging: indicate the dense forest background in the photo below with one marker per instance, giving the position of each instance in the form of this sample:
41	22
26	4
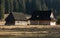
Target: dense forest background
28	6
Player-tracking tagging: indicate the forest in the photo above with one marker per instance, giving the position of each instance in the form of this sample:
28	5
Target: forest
28	6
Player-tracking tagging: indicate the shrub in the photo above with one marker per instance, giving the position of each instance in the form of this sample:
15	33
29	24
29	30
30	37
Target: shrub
58	20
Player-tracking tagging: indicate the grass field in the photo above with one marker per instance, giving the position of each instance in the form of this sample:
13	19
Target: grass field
30	31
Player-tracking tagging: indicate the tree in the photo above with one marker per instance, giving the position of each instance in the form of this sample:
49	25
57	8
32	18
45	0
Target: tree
23	5
11	6
58	20
44	6
38	4
2	9
7	6
20	5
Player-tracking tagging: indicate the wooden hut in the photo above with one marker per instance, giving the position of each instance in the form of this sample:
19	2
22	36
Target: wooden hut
42	18
16	19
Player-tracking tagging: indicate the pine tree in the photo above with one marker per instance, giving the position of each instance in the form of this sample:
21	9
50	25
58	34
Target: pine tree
7	6
11	5
24	5
16	5
20	5
2	9
44	6
38	5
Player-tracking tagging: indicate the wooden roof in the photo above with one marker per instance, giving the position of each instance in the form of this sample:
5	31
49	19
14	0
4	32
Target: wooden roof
19	16
16	16
41	15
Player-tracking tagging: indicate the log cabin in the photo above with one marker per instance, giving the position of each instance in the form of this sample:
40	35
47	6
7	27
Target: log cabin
16	19
42	18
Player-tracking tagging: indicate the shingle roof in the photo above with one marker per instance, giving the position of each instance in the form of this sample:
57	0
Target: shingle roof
19	16
41	15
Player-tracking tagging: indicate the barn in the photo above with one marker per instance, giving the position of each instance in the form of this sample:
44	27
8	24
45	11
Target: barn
16	19
42	18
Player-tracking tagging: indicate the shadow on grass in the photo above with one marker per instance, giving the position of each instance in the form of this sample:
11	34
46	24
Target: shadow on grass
13	36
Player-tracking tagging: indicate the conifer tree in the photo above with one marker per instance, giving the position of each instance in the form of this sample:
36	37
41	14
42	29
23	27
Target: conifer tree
2	9
11	5
44	6
7	6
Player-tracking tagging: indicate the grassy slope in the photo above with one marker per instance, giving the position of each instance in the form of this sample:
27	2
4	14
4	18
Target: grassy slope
30	31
